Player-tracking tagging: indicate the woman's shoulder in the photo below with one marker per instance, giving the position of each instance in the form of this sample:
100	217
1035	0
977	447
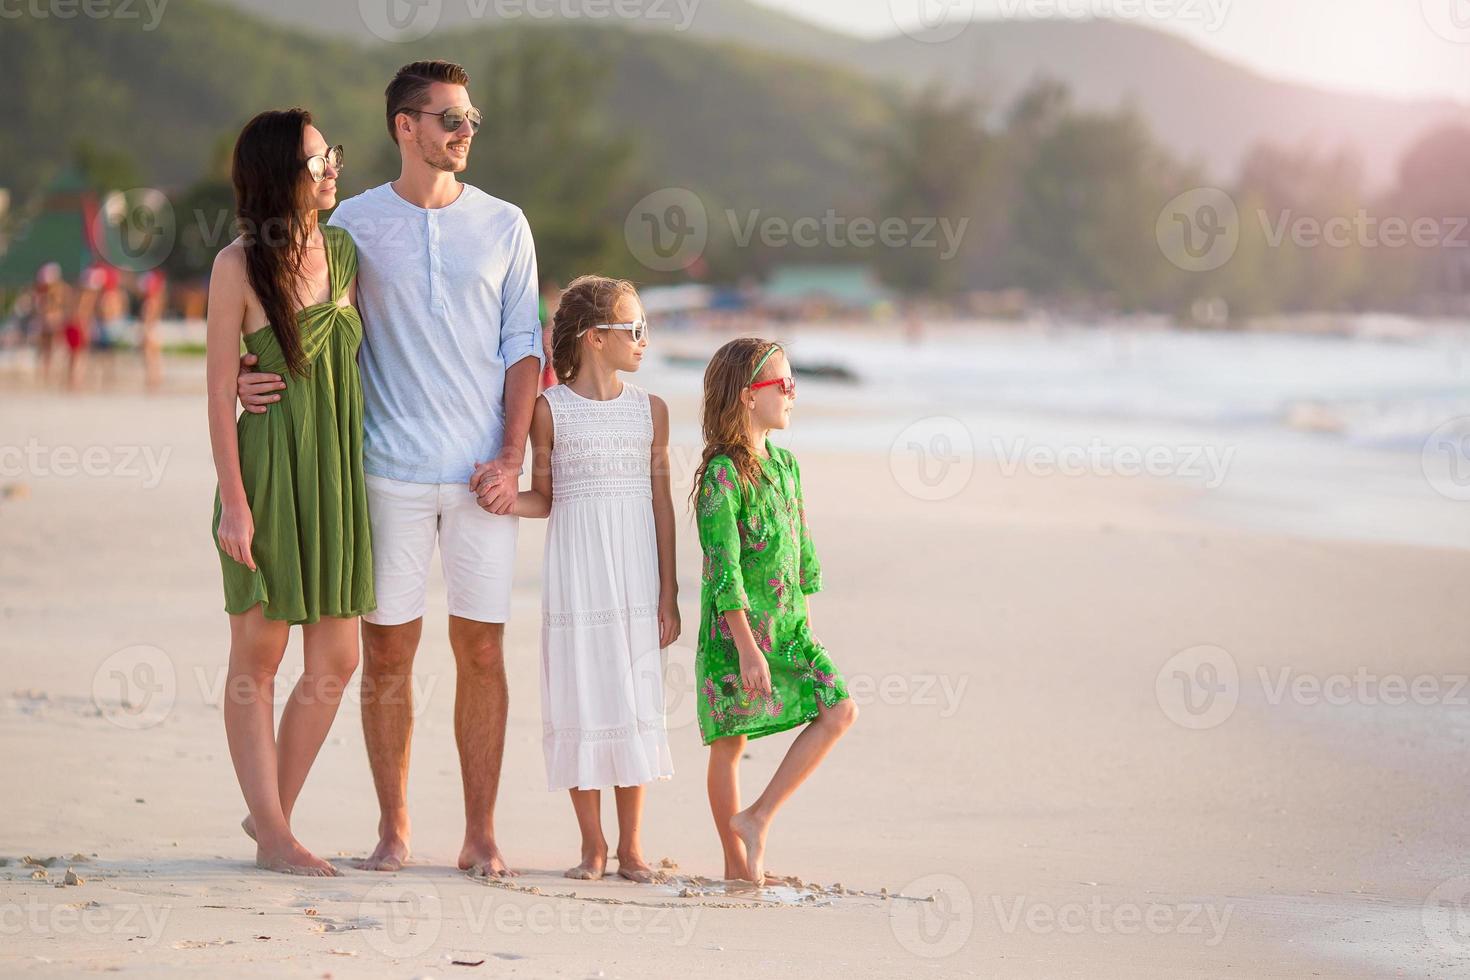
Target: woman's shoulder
341	237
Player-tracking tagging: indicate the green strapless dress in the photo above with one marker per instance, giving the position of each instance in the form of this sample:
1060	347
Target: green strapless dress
301	462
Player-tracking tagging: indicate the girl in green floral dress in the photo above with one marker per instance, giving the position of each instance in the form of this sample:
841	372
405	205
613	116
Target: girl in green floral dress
759	668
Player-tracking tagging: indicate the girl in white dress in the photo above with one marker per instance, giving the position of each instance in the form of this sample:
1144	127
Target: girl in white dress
609	594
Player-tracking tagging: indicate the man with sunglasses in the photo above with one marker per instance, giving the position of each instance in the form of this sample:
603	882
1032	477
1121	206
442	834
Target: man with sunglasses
451	357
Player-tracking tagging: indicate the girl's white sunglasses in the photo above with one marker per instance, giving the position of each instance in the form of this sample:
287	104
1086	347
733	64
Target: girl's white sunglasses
639	329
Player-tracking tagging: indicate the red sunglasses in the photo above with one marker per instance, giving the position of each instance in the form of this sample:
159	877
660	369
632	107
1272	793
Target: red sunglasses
787	385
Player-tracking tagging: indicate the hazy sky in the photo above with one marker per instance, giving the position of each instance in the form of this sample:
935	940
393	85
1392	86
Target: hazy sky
1394	47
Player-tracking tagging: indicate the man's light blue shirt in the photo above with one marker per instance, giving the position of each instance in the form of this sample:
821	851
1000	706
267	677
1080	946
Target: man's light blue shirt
448	298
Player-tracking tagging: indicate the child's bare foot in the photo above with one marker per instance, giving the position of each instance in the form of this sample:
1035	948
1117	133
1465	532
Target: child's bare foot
482	857
289	857
632	866
752	833
592	868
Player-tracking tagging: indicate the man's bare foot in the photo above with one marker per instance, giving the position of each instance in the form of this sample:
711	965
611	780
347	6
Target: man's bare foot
484	858
632	866
248	825
593	866
391	854
291	858
752	833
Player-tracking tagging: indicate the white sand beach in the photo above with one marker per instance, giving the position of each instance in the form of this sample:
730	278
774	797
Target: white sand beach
1105	732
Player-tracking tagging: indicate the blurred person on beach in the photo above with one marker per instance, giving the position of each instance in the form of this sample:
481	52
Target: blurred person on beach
47	317
759	667
81	311
610	592
152	289
549	301
451	357
290	513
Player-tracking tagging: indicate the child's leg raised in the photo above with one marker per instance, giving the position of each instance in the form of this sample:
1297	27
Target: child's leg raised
724	800
806	753
588	805
630	848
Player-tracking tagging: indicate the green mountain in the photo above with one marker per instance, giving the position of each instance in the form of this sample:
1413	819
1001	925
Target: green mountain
1202	106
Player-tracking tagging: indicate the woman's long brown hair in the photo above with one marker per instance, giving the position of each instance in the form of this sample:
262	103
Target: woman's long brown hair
725	419
272	220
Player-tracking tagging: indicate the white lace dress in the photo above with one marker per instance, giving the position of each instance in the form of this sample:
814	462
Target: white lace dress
602	700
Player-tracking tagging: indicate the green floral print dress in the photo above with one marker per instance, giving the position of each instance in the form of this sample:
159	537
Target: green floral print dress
758	557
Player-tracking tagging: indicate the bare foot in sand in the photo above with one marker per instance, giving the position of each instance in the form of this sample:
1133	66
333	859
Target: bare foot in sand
248	825
391	854
483	858
289	857
752	833
593	866
632	866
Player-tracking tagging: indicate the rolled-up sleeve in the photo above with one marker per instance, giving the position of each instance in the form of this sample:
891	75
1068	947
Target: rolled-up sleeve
717	517
520	320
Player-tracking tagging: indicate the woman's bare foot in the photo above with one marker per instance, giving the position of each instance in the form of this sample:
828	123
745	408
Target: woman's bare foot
391	854
593	866
484	858
752	833
632	866
289	857
248	825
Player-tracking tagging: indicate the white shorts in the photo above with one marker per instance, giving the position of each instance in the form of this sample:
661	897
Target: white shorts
477	550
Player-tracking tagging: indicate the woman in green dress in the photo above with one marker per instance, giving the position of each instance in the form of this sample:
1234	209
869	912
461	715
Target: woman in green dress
290	515
758	666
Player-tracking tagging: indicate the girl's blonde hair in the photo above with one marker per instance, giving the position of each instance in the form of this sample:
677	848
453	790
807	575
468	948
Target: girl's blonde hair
588	301
725	422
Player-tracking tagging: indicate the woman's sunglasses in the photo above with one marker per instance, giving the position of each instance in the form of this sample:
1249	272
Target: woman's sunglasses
787	385
639	329
453	119
317	165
